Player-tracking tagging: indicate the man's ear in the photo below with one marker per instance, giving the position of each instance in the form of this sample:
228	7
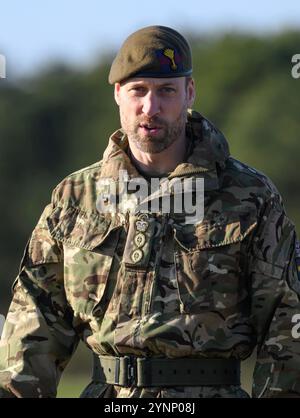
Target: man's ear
191	92
117	93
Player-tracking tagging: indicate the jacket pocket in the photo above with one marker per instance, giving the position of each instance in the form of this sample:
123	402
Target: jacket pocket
89	241
209	263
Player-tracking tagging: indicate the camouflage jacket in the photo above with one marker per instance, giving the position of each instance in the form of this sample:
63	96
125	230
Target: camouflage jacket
218	288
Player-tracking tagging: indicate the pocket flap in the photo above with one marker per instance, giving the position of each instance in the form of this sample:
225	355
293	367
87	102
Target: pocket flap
215	232
78	228
267	269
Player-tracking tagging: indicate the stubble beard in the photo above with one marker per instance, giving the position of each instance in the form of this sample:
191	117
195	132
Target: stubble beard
155	144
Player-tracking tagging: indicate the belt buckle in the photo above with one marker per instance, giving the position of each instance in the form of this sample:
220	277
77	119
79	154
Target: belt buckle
130	370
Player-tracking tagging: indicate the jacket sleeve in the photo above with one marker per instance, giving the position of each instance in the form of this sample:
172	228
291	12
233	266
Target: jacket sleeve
38	338
275	291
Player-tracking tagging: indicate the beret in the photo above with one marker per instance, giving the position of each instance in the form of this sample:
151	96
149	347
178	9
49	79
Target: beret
153	51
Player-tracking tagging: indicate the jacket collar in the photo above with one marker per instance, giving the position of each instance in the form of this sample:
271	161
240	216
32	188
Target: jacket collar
208	149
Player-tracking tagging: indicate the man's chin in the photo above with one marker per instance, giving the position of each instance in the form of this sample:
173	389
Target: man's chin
151	148
151	144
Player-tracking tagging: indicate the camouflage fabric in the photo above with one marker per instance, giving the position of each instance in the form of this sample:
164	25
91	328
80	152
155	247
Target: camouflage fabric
212	289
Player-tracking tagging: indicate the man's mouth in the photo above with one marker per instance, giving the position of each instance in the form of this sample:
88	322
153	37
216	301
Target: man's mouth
151	128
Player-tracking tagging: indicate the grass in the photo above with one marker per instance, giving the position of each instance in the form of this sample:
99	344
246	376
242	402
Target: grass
71	385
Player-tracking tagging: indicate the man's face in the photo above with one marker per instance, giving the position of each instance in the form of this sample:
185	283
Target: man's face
153	111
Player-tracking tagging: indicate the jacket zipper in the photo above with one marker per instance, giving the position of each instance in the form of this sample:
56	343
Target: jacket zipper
147	305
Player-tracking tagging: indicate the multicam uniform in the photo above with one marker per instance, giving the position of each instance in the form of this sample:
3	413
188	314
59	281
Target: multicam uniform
213	289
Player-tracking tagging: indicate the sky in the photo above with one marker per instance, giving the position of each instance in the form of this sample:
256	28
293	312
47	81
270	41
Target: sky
34	33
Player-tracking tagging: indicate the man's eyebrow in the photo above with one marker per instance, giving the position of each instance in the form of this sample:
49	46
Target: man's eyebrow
141	84
135	84
169	84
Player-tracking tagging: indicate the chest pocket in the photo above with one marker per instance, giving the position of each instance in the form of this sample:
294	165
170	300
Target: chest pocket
89	241
209	263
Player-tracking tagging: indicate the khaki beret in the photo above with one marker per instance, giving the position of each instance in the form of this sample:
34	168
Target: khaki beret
154	51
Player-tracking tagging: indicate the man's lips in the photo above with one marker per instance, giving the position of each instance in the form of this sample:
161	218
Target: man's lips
150	128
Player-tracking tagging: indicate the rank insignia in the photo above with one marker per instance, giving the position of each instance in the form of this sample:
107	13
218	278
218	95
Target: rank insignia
137	255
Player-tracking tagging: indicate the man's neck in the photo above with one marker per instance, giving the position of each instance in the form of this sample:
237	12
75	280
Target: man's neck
156	165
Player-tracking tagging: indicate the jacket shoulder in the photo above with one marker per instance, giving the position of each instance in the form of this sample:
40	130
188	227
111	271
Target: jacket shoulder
246	176
78	188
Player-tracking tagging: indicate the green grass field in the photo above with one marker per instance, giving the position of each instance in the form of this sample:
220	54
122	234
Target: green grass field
72	385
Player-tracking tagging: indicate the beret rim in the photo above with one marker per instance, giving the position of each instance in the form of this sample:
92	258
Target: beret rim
154	75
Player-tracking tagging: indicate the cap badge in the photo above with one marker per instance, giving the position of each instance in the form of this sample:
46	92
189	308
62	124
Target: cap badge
170	53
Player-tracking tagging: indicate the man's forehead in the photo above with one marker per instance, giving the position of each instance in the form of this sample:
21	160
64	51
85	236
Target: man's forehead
148	81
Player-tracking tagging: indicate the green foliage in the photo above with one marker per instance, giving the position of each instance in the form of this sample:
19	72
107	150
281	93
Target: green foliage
245	86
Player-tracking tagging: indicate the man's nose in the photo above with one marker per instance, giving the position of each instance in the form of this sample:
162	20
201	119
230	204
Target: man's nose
151	104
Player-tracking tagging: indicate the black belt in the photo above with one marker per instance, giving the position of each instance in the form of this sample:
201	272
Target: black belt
146	371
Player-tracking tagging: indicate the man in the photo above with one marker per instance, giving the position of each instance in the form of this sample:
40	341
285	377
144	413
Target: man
169	301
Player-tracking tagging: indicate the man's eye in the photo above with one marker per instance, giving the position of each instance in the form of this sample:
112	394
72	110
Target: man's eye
167	89
137	89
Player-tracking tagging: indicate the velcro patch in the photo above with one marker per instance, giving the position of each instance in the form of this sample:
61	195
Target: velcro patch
297	254
297	249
